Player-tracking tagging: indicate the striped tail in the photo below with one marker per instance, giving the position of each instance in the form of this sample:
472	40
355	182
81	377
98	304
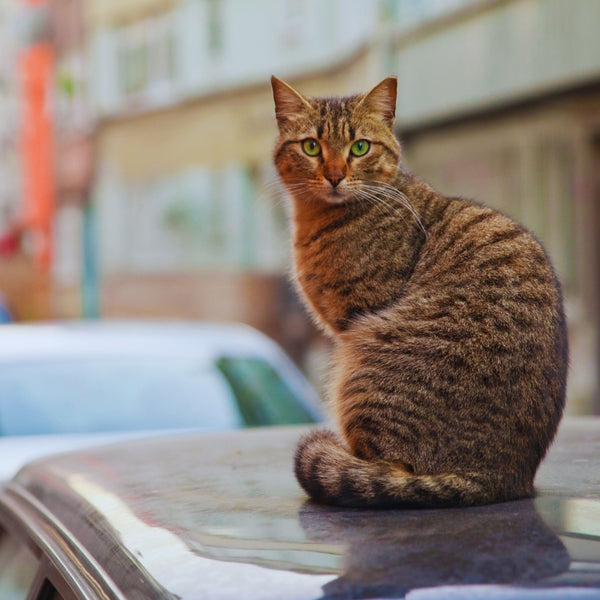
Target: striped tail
331	475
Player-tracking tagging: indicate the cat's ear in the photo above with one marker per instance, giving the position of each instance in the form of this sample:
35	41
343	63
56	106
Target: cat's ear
382	99
288	102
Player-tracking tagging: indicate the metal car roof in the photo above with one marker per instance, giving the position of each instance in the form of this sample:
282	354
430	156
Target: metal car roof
221	516
80	339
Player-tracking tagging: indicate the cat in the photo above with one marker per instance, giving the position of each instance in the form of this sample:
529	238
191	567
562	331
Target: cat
450	348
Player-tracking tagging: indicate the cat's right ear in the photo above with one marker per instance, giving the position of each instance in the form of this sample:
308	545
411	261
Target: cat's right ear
288	102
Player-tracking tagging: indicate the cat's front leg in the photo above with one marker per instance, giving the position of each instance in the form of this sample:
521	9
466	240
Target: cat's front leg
364	409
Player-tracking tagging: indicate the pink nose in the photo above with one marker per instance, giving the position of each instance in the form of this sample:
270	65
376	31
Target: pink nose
334	171
334	178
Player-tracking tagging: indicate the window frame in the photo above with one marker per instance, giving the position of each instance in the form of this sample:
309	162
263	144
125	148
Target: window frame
63	563
46	576
15	533
48	580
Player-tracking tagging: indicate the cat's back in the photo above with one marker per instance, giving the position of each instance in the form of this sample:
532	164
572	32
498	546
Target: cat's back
481	263
471	263
477	337
483	306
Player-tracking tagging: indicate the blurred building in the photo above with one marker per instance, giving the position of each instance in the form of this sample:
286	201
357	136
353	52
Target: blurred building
26	169
74	273
189	214
9	171
165	200
9	184
46	159
500	101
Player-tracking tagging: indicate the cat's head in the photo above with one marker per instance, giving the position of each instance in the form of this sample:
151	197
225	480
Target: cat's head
336	149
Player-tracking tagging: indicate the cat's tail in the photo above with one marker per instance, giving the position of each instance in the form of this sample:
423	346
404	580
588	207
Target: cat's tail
331	475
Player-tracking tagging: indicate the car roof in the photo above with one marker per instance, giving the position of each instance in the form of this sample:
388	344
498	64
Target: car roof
222	514
85	338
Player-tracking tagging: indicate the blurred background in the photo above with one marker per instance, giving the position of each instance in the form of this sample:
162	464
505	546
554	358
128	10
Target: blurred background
136	138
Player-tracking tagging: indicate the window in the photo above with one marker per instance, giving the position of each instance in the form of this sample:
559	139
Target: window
49	592
143	394
554	219
18	567
215	26
105	395
262	395
161	50
132	58
146	56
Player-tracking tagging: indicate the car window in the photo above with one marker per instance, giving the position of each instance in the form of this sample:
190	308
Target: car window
263	396
114	395
18	567
49	592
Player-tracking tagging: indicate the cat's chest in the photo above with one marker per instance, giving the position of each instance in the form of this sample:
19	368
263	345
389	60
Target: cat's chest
348	248
334	253
345	271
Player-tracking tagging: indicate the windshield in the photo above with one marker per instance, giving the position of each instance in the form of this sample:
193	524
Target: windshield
114	395
262	395
128	394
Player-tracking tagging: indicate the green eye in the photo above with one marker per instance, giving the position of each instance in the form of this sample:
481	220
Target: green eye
360	148
311	147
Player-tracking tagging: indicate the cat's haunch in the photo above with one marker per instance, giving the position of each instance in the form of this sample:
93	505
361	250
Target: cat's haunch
450	346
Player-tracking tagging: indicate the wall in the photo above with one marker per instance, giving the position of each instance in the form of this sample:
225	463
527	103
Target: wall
536	164
495	52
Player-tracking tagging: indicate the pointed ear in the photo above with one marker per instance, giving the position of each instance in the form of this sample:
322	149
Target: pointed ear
288	102
382	99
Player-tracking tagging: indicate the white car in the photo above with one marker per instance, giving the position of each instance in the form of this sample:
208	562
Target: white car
68	384
220	516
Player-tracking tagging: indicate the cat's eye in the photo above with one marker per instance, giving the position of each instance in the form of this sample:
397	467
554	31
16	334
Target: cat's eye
360	148
311	147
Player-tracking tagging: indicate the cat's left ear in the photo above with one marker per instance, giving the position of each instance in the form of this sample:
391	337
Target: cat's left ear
382	99
288	102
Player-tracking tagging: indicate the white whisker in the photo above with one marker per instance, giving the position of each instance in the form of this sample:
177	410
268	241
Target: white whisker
391	193
377	200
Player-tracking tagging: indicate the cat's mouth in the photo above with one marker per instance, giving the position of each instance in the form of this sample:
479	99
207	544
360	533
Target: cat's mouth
337	195
340	194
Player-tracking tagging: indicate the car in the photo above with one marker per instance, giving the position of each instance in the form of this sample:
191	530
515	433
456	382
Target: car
65	384
220	516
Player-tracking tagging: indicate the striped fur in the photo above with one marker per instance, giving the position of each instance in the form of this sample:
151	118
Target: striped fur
450	362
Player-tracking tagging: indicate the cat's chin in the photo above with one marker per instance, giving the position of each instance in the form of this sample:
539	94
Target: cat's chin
336	196
330	196
337	199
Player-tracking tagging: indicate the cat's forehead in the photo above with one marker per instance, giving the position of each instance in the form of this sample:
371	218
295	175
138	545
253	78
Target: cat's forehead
332	118
337	107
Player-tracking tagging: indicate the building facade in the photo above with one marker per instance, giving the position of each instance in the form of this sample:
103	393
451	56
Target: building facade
166	200
515	123
189	212
26	178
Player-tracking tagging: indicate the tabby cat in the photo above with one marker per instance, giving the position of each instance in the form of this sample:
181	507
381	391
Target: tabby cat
450	357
